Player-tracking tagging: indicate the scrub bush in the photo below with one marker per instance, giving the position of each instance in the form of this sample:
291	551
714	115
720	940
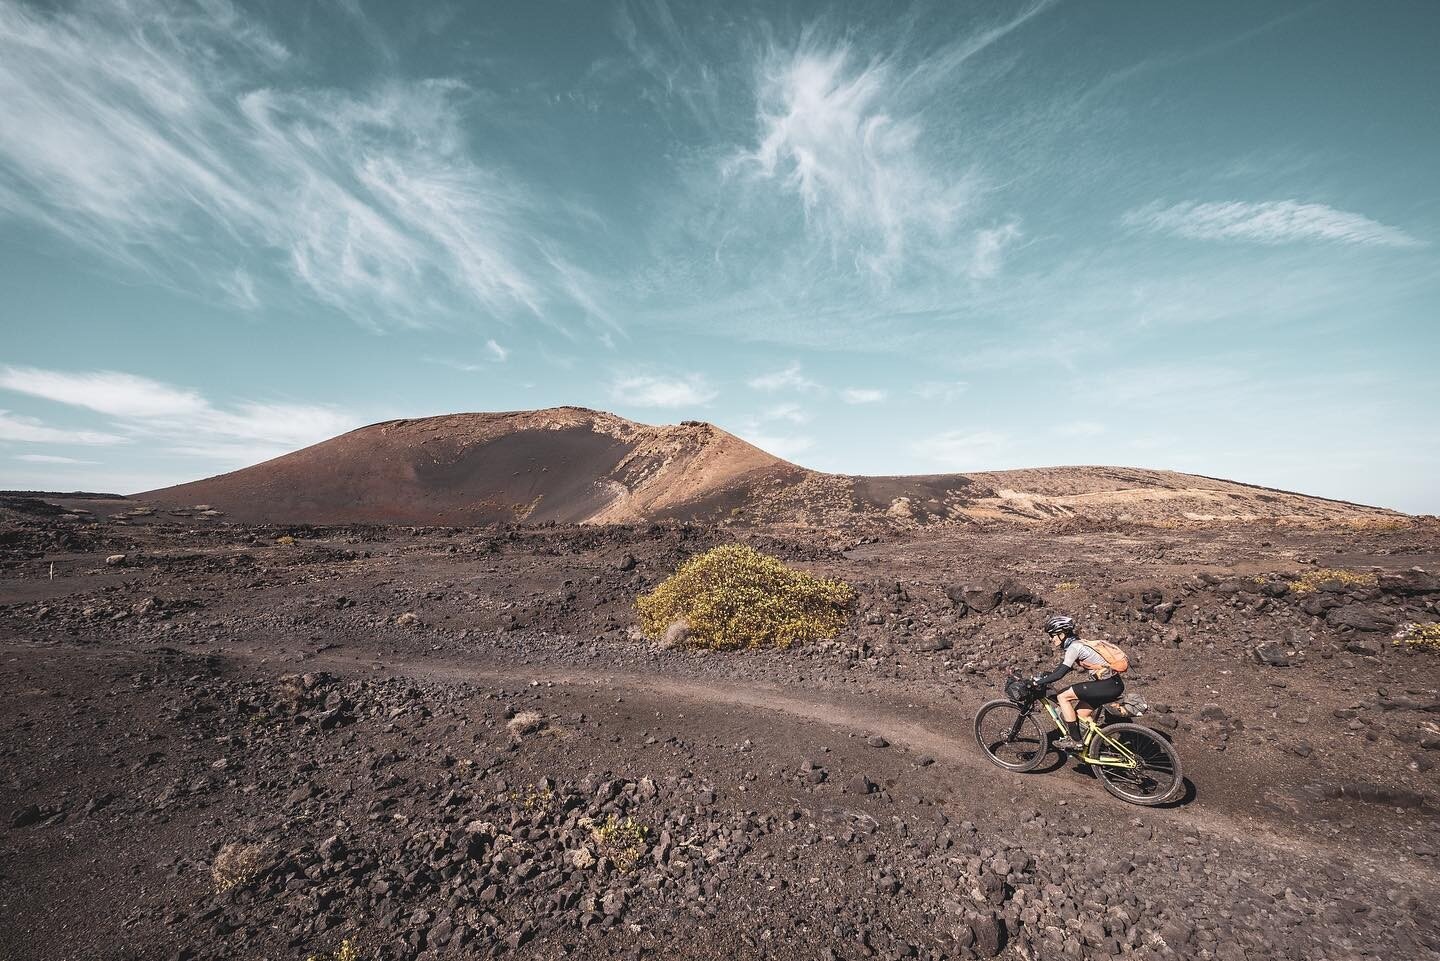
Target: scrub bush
734	597
1419	637
1312	581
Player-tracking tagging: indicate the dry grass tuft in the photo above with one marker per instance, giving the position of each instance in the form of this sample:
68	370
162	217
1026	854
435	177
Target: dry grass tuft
526	722
238	863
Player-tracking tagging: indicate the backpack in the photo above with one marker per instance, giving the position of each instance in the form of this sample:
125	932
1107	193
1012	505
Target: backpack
1114	658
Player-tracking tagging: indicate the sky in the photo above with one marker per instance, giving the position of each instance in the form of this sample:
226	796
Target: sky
867	237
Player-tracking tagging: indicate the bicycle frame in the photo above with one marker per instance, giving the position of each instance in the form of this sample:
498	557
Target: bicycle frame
1126	759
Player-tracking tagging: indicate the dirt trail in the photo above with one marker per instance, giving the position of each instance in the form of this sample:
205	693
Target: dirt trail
956	748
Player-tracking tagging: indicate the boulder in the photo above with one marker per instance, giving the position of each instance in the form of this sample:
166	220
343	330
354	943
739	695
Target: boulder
986	595
1358	617
1317	604
860	784
1411	582
1274	654
988	936
676	634
932	643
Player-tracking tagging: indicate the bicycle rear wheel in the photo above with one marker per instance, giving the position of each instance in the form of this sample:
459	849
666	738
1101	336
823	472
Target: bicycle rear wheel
1154	779
1009	736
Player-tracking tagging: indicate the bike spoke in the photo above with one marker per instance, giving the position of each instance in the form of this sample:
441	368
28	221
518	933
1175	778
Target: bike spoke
1150	776
1011	737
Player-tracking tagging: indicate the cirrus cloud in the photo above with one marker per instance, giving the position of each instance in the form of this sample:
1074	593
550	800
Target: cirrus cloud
179	142
1268	222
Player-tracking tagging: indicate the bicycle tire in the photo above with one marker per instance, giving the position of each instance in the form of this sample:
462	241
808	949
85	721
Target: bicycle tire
1160	778
994	721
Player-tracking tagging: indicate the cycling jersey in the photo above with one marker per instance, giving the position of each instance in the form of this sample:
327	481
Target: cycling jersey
1078	652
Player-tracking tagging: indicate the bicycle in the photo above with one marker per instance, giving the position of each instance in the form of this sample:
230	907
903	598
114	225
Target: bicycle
1132	762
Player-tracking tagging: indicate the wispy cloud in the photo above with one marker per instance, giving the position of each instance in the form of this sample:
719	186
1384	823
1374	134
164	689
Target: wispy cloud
1268	222
851	135
104	391
13	427
829	136
963	450
791	377
786	446
793	413
50	459
497	353
645	390
990	246
171	418
177	142
679	72
946	390
862	395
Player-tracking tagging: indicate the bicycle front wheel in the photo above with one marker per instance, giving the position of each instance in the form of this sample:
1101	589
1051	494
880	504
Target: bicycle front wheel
1152	777
1010	737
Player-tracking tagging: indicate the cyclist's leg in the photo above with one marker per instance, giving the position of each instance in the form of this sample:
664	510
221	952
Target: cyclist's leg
1066	701
1093	694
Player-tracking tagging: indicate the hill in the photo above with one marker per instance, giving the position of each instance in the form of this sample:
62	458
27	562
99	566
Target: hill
575	465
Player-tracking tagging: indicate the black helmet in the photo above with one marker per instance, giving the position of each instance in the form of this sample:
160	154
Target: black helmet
1060	624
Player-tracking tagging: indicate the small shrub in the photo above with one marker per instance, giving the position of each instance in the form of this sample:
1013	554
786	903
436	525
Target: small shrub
735	597
1419	637
1067	586
236	864
1312	581
346	952
285	540
536	797
623	842
1380	523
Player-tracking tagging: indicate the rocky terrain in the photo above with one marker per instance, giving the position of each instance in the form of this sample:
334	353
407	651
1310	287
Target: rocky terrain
573	465
229	740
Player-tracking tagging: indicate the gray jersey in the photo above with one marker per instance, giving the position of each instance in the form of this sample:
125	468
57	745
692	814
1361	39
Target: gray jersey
1077	652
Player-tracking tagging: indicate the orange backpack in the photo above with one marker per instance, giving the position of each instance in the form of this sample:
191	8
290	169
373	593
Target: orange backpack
1114	658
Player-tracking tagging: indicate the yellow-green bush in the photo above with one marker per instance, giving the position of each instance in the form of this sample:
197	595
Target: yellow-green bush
1420	637
1312	581
622	841
735	597
346	952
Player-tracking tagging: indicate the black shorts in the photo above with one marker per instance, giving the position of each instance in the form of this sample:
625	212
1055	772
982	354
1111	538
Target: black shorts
1100	692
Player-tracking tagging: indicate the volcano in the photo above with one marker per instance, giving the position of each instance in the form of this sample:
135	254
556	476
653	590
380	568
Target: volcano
575	465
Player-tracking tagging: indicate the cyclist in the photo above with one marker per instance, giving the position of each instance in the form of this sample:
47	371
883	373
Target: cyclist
1103	660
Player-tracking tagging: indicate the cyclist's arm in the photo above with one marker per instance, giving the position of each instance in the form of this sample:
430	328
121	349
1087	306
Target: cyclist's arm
1044	680
1072	654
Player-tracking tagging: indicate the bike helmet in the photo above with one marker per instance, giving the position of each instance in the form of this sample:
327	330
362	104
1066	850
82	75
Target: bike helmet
1060	624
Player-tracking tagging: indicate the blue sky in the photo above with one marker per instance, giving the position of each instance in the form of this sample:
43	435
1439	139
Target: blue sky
871	238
